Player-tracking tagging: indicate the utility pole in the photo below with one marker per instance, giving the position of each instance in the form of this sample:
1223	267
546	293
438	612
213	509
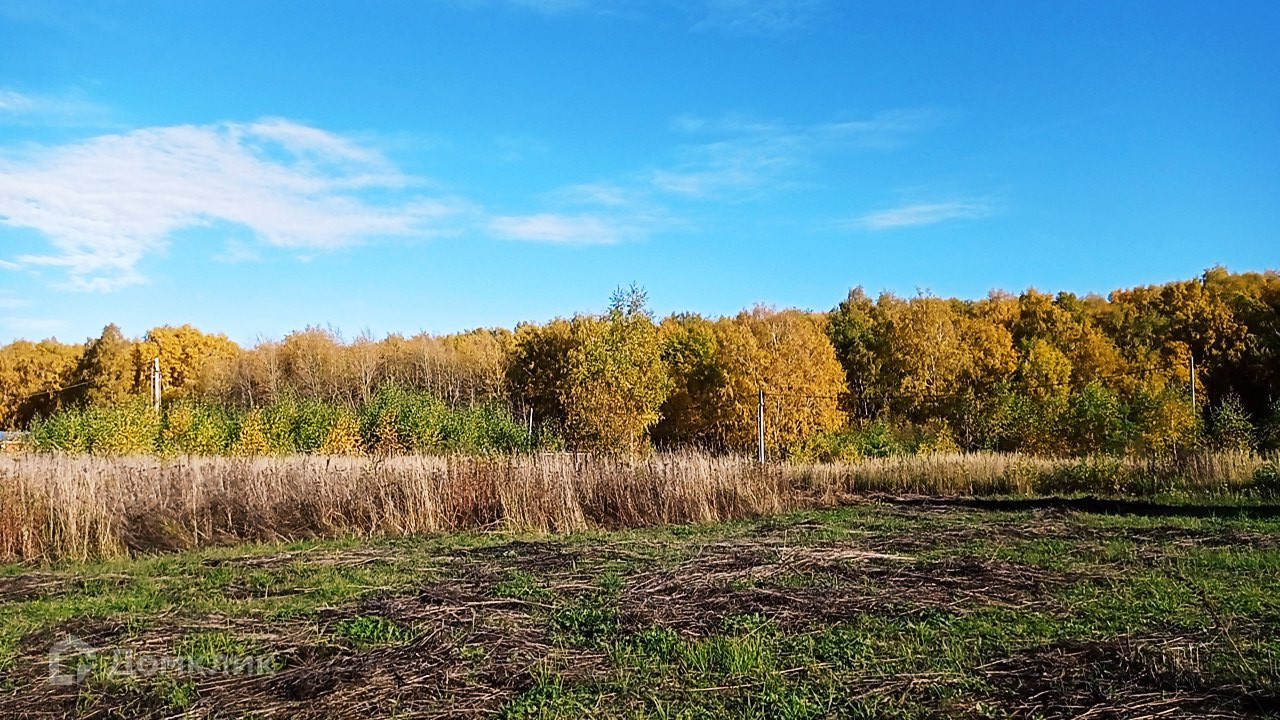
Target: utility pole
155	384
760	426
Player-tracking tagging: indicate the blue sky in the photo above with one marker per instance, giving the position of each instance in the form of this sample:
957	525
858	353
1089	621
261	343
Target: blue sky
254	167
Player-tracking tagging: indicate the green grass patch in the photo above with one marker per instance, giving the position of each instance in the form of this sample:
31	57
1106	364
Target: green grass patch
371	631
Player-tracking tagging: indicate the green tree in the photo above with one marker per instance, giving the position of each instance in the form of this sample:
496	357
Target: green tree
106	369
856	328
1097	421
1230	426
691	414
1269	429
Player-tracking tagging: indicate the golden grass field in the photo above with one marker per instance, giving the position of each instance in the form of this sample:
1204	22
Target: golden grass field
55	507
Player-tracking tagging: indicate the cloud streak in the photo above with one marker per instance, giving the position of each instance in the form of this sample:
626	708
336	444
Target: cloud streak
564	229
69	110
735	155
106	203
719	160
762	17
15	102
918	214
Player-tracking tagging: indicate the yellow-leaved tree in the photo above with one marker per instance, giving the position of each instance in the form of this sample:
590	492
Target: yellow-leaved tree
929	359
722	366
190	360
31	375
599	380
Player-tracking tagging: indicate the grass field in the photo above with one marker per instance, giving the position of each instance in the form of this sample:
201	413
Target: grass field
901	608
82	507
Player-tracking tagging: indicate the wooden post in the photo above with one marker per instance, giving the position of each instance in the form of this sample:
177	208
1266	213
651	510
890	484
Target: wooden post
155	383
760	427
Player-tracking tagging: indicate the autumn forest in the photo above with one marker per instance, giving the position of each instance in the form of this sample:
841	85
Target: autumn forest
1038	373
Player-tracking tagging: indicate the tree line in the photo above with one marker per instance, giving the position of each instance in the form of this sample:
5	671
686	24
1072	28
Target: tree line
1051	374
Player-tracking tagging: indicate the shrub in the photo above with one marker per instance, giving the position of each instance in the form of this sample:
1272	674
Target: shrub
62	431
325	428
279	423
839	445
487	429
251	438
1230	425
1164	422
342	436
1266	480
1097	421
1098	474
264	431
935	437
875	439
193	428
1269	429
1035	425
128	428
395	421
398	420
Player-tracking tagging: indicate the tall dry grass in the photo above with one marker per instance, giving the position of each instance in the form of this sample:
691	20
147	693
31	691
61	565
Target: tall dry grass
57	507
77	507
986	474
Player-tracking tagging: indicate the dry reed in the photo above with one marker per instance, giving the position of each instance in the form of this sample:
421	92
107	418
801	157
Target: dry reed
61	507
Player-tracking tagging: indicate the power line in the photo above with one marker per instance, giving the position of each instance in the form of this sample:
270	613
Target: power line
54	392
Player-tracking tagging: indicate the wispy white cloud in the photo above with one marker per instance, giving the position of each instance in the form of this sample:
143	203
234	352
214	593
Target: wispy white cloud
762	17
737	154
918	214
564	229
106	203
25	109
592	213
725	159
600	194
238	251
12	101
